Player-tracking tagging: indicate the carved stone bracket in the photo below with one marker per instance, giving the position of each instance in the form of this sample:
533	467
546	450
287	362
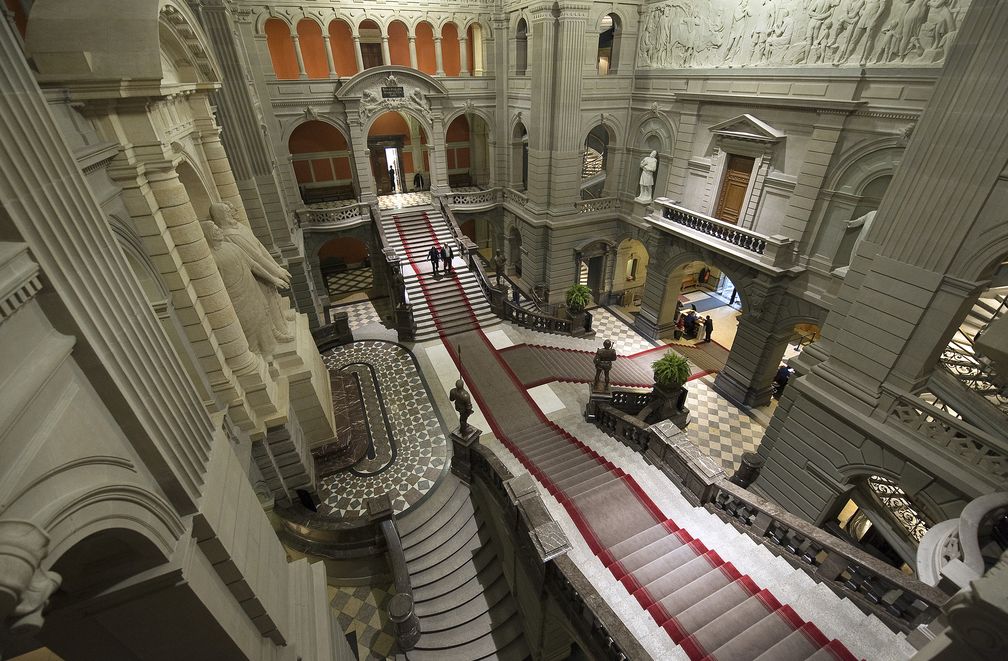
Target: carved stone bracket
25	587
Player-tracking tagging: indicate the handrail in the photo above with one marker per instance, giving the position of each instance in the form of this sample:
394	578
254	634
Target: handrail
335	217
900	601
974	447
476	199
597	204
516	198
774	250
400	606
543	548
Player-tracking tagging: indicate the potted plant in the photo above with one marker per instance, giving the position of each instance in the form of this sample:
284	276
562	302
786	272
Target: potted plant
578	297
671	371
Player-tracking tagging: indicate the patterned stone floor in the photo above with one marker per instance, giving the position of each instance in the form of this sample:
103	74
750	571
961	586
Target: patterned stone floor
398	407
719	428
361	611
608	326
360	314
347	282
404	200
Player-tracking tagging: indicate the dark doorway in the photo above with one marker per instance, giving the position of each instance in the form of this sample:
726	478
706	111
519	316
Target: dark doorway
371	55
596	270
733	190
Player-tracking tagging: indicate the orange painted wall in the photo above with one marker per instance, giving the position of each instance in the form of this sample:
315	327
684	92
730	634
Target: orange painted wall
281	49
426	59
407	163
469	50
398	44
342	167
341	42
312	49
302	172
391	123
458	130
315	136
450	49
322	169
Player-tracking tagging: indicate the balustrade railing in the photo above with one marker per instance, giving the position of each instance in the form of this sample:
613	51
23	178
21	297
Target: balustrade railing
775	250
597	204
516	198
332	218
973	446
479	198
901	601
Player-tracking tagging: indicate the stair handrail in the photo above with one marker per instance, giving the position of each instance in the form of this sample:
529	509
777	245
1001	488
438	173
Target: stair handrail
949	555
544	547
900	601
466	246
973	447
970	405
401	606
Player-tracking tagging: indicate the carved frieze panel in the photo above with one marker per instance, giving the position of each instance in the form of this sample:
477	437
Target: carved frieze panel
745	33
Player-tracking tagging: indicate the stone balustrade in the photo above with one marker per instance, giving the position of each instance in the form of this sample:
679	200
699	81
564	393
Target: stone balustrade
515	198
474	200
597	205
974	447
333	218
774	251
900	601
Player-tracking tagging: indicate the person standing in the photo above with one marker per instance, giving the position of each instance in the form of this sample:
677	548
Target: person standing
434	256
708	327
418	182
446	260
391	178
780	380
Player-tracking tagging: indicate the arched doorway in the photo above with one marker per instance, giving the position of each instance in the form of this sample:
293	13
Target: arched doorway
591	262
345	265
467	152
596	159
399	152
519	157
630	275
515	245
521	48
608	44
704	289
320	156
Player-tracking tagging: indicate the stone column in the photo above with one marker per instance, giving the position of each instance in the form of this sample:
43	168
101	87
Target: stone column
439	166
568	143
756	354
412	52
439	63
361	155
357	52
416	149
329	55
25	587
541	65
683	148
463	55
300	58
386	56
502	115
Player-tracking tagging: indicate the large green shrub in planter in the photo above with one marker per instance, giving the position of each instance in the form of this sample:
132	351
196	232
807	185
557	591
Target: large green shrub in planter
671	370
578	297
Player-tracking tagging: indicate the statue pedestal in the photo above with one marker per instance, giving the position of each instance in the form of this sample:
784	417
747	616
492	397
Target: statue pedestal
596	397
641	209
461	444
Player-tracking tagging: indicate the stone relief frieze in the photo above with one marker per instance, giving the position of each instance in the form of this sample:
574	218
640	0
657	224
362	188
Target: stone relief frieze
744	33
413	98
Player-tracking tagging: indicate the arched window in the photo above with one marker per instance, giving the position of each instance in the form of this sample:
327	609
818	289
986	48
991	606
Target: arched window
450	50
519	157
398	43
426	58
371	44
341	41
521	48
281	50
312	51
608	44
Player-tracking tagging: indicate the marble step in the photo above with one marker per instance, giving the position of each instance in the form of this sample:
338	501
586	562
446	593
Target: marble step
462	633
729	624
464	538
491	645
486	579
458	558
456	579
424	519
441	535
644	555
799	645
759	637
465	612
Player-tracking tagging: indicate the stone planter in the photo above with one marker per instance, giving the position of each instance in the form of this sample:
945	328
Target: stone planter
667	403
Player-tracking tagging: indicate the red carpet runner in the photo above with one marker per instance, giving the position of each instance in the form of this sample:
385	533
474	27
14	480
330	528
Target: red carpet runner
683	585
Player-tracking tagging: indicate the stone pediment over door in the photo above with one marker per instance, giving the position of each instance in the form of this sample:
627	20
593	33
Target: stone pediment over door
380	89
747	127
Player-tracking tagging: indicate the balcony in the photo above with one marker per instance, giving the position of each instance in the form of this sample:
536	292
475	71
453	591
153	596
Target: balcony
772	253
337	216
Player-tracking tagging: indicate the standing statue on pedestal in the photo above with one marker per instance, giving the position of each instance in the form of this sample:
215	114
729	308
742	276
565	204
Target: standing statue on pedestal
463	405
604	358
500	261
269	276
649	165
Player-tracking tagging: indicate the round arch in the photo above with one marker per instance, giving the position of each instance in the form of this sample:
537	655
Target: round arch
201	195
391	147
864	162
321	160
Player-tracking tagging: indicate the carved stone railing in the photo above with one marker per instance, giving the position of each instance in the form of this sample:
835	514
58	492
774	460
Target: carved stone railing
481	199
985	453
334	218
405	323
542	552
597	205
515	198
776	251
950	555
400	605
901	601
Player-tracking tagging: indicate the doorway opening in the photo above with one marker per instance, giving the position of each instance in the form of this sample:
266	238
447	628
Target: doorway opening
393	169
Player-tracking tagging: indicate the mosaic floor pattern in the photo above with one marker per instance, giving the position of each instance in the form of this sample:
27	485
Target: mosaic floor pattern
398	401
361	611
360	314
404	200
718	428
626	340
347	282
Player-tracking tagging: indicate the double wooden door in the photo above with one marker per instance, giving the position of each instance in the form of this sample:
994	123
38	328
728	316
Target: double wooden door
733	190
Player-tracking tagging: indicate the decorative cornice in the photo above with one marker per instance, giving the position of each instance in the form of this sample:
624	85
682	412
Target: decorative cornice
19	278
801	102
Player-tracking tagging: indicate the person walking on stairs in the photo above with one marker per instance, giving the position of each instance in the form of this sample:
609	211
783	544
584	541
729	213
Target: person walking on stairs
434	256
447	254
708	327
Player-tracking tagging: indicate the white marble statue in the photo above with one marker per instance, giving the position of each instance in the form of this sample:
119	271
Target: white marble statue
865	223
858	37
252	279
649	165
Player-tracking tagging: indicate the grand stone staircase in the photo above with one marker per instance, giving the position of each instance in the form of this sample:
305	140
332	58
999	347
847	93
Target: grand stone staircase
458	298
462	597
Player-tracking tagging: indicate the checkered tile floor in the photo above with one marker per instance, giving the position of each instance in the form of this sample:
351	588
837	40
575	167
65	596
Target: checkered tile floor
361	610
718	428
404	200
400	403
347	282
360	314
626	340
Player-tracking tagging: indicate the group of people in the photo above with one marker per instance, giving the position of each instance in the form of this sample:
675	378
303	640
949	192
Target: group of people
441	256
419	182
690	324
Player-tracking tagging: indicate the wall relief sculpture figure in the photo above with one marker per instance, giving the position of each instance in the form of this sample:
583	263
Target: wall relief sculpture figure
649	165
734	33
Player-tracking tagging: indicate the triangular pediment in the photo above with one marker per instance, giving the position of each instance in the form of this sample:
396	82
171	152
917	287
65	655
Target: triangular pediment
747	127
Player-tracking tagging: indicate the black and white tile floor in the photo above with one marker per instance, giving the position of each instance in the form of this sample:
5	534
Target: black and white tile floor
360	314
348	282
718	428
405	409
626	340
361	610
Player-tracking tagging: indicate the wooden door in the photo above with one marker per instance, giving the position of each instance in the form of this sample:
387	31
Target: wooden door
733	190
371	55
